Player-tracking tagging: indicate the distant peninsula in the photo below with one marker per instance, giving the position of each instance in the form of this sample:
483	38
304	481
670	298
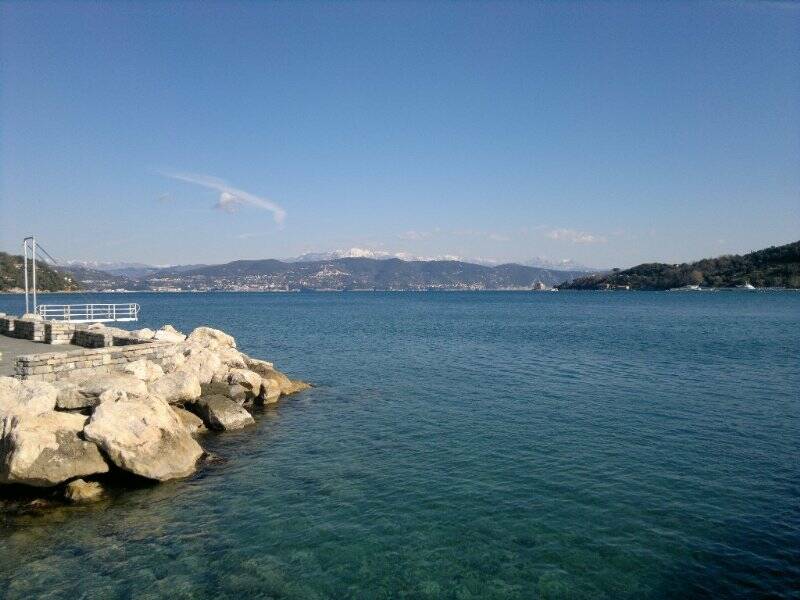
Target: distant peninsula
777	267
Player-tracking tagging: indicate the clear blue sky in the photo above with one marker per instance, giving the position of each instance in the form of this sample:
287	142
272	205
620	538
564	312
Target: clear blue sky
608	133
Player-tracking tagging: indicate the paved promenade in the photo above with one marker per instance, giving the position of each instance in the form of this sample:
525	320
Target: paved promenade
11	348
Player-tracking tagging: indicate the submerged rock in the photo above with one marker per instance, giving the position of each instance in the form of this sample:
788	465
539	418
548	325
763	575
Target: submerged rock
44	450
222	413
80	491
144	436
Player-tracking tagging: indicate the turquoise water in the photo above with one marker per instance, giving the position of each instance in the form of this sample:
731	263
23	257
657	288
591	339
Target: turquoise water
459	445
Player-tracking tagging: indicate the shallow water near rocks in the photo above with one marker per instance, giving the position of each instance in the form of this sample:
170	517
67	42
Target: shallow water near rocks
465	445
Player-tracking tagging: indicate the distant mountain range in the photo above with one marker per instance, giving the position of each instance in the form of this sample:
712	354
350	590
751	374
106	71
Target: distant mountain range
340	270
353	274
777	266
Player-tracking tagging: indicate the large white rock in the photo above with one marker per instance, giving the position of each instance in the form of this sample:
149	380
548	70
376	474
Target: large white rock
245	378
222	413
173	362
193	424
143	369
270	391
144	436
44	450
26	397
268	372
122	382
70	396
211	338
180	386
202	362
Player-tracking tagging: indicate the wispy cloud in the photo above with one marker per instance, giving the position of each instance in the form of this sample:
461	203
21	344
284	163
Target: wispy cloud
576	237
230	198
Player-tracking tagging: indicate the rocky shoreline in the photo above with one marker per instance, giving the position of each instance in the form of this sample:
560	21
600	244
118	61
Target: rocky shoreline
78	437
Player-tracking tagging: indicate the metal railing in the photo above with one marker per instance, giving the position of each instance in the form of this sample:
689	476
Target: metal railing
88	313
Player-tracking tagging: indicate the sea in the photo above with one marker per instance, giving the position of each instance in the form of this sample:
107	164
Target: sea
463	445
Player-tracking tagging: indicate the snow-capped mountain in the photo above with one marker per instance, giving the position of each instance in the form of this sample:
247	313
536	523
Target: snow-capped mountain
383	255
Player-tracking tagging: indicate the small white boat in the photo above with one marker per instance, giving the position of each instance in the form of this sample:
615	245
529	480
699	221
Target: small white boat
746	286
687	288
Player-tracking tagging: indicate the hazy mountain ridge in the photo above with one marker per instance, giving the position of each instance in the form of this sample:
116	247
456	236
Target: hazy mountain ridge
358	273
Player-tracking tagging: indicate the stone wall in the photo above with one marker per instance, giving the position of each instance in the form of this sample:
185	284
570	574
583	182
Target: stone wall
7	325
29	329
49	365
58	333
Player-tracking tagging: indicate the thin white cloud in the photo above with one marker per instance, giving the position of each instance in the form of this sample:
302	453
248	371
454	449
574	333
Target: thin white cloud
576	237
230	198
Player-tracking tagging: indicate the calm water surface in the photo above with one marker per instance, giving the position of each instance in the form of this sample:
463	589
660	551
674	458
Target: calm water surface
458	445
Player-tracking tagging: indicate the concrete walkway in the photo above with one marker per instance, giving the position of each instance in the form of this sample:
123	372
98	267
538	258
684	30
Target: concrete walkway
11	348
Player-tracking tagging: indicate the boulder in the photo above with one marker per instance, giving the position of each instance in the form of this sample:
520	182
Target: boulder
270	391
222	413
80	491
193	424
203	363
44	450
211	338
169	334
70	396
238	394
173	362
26	397
9	385
178	387
94	386
144	436
267	371
143	369
247	379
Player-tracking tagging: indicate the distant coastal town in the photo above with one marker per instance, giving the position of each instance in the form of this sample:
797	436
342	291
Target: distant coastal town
774	267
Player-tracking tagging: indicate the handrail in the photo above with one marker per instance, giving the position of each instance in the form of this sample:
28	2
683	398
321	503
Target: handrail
89	313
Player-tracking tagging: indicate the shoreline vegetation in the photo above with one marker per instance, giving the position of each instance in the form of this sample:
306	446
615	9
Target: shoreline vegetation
774	267
777	267
84	435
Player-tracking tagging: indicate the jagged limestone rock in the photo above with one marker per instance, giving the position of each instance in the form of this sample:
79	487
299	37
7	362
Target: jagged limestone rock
26	397
177	387
221	413
144	436
143	369
193	424
211	338
44	450
94	386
